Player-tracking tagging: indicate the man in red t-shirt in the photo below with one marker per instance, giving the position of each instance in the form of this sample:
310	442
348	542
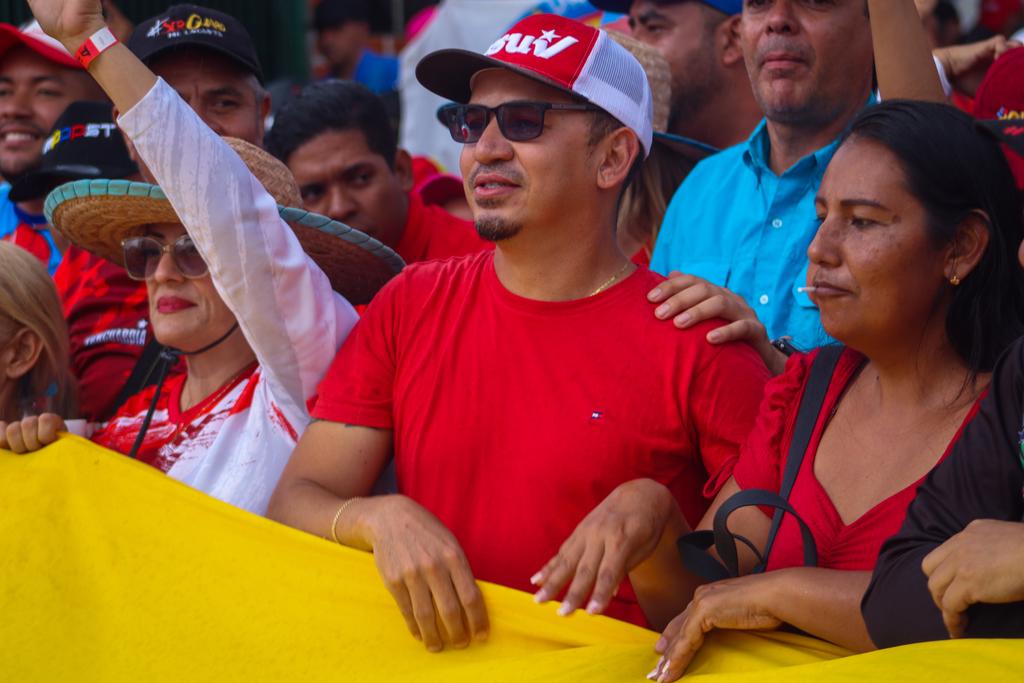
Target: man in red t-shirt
337	140
517	389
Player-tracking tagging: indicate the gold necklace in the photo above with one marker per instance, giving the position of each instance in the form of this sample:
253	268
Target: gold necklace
610	280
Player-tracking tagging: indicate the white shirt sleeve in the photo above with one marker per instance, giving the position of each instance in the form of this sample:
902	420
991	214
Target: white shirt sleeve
947	87
283	302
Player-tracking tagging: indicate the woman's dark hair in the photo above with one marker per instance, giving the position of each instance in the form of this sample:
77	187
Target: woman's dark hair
952	168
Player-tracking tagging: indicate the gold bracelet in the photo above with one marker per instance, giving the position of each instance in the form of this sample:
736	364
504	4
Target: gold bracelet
337	516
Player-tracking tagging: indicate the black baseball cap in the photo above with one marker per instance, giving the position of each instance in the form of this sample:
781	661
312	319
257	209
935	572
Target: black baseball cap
195	26
1009	132
85	144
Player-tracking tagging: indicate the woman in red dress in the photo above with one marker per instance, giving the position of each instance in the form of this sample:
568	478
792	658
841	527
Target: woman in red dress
913	270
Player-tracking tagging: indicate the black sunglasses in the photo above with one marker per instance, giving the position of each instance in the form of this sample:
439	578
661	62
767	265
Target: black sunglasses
142	256
517	121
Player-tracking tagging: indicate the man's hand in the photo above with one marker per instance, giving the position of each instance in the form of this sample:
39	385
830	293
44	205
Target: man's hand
614	538
965	65
688	300
427	573
31	434
981	564
69	21
741	604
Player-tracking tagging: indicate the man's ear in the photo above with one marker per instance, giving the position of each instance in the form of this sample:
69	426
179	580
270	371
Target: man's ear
617	152
968	246
403	170
265	106
727	40
21	353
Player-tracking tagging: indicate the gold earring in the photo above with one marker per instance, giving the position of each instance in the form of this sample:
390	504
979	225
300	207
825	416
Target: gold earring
955	280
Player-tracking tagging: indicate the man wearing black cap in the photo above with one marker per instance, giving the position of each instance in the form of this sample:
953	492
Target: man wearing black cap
343	33
209	59
38	80
106	311
711	97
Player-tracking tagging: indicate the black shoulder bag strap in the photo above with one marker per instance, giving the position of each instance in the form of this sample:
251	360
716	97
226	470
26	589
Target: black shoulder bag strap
142	374
693	547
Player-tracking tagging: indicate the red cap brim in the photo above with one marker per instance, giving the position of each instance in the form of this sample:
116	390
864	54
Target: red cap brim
11	37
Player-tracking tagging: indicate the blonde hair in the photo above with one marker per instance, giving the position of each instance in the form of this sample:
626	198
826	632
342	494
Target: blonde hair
29	300
646	199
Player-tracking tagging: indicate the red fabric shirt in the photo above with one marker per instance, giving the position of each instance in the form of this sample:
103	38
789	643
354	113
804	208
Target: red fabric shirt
851	546
174	433
108	325
514	418
433	233
31	241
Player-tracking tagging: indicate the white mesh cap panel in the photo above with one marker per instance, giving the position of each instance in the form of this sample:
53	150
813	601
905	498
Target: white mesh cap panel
614	80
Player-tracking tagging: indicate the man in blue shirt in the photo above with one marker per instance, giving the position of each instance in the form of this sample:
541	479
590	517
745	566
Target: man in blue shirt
744	218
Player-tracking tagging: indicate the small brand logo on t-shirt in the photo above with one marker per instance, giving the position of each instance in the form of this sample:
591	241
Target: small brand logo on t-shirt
596	415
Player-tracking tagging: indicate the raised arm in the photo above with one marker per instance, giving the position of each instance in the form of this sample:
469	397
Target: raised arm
283	302
903	57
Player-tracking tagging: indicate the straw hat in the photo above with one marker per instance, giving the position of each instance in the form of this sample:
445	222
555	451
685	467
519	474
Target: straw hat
659	76
98	214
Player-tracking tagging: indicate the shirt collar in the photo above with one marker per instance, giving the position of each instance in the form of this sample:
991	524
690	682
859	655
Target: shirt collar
758	151
29	218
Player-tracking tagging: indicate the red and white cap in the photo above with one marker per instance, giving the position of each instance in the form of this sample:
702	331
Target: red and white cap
31	36
565	54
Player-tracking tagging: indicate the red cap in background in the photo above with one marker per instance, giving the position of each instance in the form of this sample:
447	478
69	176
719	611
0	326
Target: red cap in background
32	37
1001	98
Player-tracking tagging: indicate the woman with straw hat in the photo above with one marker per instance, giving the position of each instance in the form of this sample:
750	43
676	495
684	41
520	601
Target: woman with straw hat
253	293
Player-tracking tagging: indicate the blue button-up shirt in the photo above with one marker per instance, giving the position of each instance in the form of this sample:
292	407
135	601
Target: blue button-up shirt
736	224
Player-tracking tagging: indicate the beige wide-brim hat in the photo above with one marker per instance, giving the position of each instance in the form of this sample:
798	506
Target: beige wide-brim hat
97	215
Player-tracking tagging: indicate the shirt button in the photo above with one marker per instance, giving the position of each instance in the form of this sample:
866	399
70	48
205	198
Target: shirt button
764	299
777	223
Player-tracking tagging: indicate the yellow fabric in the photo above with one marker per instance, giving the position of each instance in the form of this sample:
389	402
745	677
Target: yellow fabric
110	571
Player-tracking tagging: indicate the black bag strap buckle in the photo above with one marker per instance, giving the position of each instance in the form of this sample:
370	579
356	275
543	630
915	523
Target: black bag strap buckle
693	547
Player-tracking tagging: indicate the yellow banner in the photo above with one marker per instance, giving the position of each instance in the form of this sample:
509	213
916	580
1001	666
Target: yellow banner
110	571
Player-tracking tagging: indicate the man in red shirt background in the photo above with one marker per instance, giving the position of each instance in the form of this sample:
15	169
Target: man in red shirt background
516	389
337	139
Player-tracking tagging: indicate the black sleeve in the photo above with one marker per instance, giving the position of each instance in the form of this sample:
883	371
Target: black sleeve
982	479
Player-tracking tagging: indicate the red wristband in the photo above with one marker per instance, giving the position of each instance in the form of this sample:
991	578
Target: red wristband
92	48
